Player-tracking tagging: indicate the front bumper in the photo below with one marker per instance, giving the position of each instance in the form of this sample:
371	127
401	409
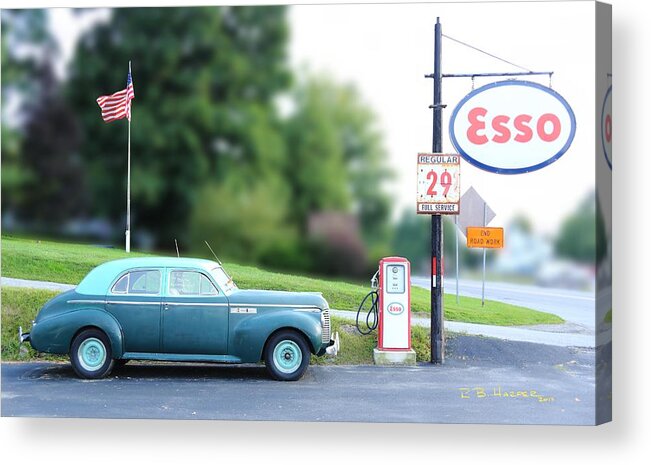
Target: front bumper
333	347
23	337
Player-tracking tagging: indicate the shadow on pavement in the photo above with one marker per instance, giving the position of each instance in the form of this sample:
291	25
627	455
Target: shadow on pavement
157	370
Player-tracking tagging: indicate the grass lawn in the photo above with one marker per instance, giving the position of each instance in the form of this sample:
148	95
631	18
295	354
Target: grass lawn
69	263
19	307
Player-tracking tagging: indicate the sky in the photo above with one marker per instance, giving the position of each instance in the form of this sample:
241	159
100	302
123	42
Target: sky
386	49
68	27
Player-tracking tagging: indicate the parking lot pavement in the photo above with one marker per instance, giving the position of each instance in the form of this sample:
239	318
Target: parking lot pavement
482	381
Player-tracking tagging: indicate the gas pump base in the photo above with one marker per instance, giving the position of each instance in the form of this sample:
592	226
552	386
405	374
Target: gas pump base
394	357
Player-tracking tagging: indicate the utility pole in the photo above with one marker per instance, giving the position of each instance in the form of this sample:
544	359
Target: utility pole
436	326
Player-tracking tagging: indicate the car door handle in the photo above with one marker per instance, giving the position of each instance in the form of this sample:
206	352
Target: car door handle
166	306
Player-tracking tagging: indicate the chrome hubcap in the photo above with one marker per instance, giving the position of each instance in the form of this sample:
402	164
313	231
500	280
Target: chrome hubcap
91	354
287	356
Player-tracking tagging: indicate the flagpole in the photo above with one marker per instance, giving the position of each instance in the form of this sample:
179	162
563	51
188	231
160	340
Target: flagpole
128	231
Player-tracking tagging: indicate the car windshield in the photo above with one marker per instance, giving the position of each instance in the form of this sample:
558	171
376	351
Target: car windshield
224	281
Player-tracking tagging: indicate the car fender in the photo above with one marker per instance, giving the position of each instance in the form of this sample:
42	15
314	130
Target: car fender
248	336
55	334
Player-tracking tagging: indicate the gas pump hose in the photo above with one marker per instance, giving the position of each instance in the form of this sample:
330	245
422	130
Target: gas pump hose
373	311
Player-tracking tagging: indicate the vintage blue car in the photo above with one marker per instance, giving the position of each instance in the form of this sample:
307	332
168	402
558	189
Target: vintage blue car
180	309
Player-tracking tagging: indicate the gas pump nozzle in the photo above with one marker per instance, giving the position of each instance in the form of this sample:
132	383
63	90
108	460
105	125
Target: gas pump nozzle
371	320
374	280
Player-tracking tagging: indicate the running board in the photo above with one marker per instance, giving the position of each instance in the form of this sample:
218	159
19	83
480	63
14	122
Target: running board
181	357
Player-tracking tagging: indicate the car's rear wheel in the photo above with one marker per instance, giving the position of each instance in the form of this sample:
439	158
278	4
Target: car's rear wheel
287	355
90	354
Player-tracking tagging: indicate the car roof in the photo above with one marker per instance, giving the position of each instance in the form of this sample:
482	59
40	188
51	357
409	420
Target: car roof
99	279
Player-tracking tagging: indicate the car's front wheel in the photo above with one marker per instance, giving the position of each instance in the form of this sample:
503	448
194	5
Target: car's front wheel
287	356
90	354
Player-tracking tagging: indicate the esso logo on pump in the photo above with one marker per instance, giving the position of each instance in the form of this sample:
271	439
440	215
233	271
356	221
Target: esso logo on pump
512	127
395	308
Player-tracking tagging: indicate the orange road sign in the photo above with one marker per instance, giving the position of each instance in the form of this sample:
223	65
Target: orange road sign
485	238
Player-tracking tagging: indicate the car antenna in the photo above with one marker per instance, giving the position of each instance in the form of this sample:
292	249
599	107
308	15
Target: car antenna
177	247
213	253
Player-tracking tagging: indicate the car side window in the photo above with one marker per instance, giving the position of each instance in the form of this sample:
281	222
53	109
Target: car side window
144	282
191	283
139	282
121	286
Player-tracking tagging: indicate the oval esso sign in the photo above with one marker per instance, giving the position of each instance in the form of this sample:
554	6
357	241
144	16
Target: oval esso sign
395	308
512	127
607	126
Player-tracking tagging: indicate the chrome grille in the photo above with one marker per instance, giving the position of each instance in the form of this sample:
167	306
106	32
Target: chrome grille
325	324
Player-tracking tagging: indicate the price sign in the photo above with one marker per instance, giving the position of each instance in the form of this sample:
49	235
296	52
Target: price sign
438	184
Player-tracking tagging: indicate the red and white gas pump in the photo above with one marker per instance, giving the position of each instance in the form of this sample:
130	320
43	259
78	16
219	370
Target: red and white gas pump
390	312
394	304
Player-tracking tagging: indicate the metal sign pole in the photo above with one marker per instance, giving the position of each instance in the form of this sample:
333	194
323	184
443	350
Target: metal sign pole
436	328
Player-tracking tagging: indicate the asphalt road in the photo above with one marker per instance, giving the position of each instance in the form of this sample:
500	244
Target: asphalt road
473	386
576	307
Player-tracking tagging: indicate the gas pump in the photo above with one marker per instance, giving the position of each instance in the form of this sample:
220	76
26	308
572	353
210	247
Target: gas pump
389	310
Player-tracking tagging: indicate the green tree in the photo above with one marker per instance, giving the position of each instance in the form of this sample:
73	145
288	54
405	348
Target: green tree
232	221
204	79
55	190
26	43
43	175
336	157
577	238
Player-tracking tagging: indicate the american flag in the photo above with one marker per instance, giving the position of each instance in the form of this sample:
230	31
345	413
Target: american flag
117	105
